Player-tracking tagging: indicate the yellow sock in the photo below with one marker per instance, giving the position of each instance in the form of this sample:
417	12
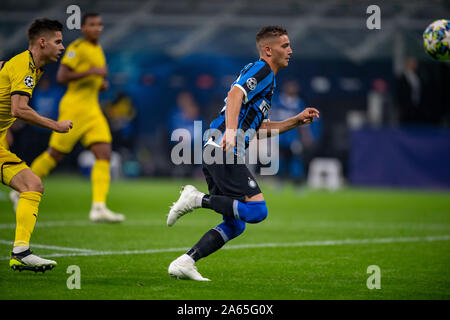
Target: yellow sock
26	215
43	164
100	177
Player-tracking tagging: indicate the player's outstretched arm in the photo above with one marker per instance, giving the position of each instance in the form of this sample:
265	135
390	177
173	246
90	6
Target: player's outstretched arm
278	127
65	74
21	110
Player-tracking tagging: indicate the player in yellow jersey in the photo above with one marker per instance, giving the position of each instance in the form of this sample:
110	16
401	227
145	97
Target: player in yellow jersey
18	77
84	69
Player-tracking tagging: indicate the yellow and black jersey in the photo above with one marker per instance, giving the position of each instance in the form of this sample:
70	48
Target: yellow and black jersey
80	102
80	56
18	75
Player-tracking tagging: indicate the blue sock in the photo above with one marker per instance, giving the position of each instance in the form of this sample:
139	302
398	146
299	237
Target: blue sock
230	228
215	238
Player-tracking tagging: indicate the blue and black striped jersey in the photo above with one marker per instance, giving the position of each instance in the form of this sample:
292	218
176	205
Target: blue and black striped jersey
257	81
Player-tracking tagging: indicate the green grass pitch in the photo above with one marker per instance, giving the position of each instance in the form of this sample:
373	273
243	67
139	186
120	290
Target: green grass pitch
313	245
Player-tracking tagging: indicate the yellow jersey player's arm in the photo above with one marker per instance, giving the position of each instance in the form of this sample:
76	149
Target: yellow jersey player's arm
21	110
69	63
66	74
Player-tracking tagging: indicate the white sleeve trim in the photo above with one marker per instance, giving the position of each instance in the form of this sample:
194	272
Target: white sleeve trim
243	90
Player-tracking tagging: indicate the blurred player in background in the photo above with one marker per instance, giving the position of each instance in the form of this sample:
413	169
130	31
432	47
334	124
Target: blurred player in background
287	104
84	69
233	191
18	78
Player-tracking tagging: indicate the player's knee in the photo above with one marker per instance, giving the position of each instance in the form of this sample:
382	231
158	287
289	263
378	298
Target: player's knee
102	151
55	154
261	212
104	155
34	184
253	212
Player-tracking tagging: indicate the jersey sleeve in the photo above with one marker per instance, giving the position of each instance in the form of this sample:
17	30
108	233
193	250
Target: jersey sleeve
21	78
71	57
254	80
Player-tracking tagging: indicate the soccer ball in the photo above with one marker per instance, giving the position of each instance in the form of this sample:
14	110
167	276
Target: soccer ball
436	39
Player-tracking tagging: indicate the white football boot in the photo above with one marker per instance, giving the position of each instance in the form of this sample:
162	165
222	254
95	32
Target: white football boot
100	213
14	196
26	260
189	200
184	268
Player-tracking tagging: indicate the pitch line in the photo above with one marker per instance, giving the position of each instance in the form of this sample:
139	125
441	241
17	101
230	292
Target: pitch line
83	223
84	252
41	246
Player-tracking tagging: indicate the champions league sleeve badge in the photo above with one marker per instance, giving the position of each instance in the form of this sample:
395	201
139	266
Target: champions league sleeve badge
251	83
29	82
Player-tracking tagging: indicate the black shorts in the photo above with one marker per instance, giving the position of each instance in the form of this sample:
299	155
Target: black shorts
231	180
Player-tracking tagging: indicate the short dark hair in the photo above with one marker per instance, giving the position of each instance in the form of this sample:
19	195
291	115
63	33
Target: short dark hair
88	15
41	26
270	31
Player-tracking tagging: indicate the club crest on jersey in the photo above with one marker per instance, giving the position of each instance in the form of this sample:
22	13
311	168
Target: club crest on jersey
251	83
29	82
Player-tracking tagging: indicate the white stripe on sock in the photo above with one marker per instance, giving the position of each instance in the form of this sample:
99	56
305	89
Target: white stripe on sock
235	209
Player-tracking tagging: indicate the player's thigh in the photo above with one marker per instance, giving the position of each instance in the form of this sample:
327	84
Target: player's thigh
10	165
240	180
97	132
256	197
213	189
235	181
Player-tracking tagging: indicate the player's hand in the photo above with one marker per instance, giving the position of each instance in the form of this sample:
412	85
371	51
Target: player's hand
308	115
63	126
99	71
228	140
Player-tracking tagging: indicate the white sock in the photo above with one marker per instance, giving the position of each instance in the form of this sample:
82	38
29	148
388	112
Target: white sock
186	258
98	205
198	199
19	249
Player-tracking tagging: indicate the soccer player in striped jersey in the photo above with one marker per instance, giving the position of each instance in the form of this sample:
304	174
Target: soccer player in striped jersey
233	191
18	78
